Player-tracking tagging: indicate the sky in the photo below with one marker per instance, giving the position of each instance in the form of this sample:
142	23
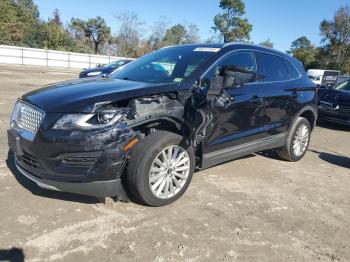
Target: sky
281	21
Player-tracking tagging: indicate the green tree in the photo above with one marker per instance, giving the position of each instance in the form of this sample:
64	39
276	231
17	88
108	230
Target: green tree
230	23
19	20
175	35
52	34
303	50
93	32
180	34
336	39
267	43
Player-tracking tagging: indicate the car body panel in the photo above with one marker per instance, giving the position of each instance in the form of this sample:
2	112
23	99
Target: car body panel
79	96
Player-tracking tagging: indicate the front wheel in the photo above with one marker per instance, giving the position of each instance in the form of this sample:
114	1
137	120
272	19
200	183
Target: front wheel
298	141
160	168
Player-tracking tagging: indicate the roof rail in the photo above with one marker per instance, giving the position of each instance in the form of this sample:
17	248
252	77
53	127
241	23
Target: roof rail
241	43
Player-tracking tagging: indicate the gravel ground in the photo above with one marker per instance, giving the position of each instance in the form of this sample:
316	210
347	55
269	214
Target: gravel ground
258	208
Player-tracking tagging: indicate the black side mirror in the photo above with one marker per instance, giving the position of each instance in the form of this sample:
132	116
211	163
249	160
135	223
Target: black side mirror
235	77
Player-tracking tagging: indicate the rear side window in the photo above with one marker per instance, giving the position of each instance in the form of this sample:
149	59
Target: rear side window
293	73
274	67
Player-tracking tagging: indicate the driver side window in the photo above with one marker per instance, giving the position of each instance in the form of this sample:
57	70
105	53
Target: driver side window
237	68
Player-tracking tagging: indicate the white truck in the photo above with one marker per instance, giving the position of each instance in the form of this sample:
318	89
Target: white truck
322	77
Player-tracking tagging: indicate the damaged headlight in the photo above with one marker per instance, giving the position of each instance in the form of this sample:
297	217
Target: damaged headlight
99	119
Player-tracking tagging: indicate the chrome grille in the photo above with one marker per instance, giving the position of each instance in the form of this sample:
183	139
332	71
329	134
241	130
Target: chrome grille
344	108
326	105
27	117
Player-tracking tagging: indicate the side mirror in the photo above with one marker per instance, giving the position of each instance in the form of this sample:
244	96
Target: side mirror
235	77
229	76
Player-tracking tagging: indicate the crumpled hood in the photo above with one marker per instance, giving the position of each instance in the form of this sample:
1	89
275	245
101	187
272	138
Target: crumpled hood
80	96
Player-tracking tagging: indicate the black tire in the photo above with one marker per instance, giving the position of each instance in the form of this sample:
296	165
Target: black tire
287	151
140	163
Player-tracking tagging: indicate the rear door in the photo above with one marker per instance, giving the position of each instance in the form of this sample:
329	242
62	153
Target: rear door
278	91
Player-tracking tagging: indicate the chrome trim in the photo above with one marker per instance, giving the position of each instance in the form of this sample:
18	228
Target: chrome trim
24	132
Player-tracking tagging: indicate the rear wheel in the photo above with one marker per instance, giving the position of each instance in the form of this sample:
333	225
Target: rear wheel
298	141
160	168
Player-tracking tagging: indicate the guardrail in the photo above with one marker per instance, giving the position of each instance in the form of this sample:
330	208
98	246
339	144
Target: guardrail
43	57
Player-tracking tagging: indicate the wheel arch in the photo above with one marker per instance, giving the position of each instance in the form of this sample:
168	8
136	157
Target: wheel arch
309	113
171	124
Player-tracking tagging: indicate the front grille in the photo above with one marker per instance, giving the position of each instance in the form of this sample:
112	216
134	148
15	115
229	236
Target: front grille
79	161
326	105
345	108
27	117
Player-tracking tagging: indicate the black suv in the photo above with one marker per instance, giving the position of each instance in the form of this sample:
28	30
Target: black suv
142	131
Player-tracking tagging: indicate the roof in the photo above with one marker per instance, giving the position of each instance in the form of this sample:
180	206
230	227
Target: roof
242	45
232	44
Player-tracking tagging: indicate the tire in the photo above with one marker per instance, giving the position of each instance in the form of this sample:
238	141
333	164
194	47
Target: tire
148	153
289	151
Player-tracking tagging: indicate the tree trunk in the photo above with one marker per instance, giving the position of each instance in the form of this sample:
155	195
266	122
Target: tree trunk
96	47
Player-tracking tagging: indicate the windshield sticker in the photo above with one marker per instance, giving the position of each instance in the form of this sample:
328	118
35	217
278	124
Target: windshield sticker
206	49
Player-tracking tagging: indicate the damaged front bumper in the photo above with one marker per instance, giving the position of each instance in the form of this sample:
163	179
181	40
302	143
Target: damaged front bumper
97	189
88	163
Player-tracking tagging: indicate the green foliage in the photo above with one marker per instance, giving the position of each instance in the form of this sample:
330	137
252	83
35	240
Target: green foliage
179	34
18	22
175	35
267	43
94	30
336	40
55	37
230	23
304	51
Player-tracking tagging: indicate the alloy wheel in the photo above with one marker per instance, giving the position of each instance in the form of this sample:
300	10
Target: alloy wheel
169	172
301	140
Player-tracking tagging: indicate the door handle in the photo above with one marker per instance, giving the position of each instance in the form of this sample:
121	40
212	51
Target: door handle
256	100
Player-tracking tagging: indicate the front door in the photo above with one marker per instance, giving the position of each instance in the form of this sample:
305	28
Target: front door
234	113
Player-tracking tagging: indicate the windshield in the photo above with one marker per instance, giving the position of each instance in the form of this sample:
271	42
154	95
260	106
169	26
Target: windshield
115	64
343	86
167	65
315	78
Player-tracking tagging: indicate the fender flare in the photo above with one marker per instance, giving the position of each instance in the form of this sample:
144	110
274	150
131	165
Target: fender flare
310	108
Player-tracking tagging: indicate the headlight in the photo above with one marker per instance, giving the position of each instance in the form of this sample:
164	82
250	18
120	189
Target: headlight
96	73
97	120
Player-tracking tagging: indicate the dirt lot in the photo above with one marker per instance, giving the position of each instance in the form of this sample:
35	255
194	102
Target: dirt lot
258	208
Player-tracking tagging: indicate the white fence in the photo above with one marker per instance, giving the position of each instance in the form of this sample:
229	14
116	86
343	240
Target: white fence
42	57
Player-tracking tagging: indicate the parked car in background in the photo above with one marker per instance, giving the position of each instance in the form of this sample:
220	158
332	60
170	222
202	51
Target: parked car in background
334	104
103	70
145	128
343	78
323	78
